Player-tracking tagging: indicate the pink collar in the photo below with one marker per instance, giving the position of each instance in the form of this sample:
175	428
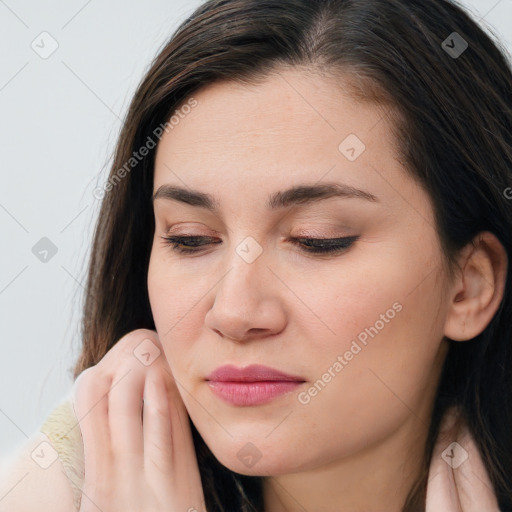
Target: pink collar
458	480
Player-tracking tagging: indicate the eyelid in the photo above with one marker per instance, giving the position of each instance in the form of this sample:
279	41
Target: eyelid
324	233
330	231
188	231
319	247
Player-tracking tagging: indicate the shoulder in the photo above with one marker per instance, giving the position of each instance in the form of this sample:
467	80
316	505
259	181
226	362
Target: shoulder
46	472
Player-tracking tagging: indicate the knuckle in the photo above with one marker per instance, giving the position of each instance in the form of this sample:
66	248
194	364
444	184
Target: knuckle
90	383
122	353
126	345
133	338
85	378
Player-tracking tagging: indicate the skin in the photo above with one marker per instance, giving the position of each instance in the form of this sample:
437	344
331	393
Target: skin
357	444
131	451
306	309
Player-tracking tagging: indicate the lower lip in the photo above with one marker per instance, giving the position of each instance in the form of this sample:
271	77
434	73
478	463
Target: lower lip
251	393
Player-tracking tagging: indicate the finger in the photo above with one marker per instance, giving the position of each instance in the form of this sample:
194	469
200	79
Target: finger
188	479
156	426
90	403
129	345
180	424
124	417
170	460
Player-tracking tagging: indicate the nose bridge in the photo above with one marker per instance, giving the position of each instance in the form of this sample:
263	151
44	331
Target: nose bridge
246	265
249	250
245	304
243	295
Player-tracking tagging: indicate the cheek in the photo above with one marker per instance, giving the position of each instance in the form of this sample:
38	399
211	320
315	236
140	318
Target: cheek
377	336
390	355
175	308
170	298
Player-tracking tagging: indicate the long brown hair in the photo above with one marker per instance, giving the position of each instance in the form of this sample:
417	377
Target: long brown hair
453	124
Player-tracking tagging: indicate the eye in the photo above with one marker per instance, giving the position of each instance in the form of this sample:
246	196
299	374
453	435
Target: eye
186	244
194	244
324	245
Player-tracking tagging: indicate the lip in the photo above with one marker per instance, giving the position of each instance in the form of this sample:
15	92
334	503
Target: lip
252	385
252	373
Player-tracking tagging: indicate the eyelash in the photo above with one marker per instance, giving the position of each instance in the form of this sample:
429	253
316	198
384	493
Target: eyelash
323	245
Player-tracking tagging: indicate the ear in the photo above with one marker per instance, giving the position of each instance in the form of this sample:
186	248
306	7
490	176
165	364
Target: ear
478	289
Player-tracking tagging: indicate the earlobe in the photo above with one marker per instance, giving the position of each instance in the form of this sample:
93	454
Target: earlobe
479	288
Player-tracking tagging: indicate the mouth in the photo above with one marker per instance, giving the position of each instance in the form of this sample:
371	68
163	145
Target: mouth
252	385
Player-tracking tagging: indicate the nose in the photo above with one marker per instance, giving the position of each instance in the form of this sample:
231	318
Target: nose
248	301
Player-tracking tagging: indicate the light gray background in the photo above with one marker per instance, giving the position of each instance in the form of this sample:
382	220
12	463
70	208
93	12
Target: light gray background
60	117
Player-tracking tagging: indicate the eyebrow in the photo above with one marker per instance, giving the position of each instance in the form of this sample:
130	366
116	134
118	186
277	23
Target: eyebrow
300	194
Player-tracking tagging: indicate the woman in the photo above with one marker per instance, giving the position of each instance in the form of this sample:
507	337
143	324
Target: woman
303	246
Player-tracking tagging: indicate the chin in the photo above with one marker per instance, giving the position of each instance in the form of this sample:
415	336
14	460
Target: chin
249	460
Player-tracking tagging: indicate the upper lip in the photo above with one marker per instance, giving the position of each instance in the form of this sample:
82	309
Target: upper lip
252	373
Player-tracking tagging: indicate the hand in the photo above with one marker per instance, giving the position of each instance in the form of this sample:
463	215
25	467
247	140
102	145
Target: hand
136	458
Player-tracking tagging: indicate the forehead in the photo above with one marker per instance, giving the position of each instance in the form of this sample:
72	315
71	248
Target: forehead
290	128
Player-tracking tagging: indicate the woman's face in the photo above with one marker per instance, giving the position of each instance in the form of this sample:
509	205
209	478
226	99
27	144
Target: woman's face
362	327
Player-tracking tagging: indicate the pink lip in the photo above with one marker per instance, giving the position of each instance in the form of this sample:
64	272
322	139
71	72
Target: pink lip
252	385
